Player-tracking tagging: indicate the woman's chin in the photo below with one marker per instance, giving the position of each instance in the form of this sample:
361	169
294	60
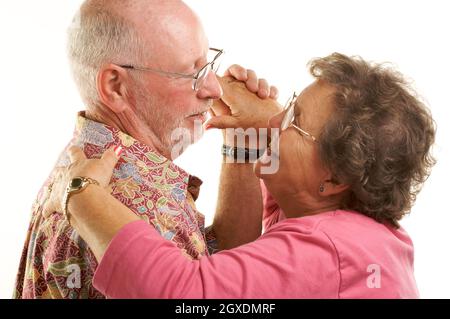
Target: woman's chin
267	166
257	169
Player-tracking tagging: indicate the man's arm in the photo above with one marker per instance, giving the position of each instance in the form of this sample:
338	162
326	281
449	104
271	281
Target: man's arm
238	217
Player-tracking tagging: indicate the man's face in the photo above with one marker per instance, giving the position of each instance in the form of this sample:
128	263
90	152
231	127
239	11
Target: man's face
163	103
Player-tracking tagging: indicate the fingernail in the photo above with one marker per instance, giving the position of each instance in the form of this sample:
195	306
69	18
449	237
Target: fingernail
208	127
118	150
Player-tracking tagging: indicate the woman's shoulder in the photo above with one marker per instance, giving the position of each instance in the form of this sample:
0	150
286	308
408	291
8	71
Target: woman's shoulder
353	225
349	231
359	243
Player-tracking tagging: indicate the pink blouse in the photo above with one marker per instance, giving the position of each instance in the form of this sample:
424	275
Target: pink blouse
339	254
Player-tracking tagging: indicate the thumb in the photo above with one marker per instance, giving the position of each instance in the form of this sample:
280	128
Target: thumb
222	122
112	156
76	154
55	193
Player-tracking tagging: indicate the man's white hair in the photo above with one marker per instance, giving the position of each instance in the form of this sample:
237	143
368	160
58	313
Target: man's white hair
99	35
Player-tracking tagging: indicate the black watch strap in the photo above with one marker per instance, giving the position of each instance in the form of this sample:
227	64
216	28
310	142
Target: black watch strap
241	153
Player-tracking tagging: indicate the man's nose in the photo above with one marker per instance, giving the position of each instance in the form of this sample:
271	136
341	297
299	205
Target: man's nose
211	89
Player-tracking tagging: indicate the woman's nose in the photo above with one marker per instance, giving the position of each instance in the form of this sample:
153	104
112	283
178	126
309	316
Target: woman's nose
276	120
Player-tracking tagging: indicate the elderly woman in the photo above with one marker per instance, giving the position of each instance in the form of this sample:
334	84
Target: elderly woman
354	151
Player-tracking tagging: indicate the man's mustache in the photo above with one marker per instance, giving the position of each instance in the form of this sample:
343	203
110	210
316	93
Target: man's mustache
203	110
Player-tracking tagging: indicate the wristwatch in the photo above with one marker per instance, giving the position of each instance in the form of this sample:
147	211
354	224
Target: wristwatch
76	185
242	153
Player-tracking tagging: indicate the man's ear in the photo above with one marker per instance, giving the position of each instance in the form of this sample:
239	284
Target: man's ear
112	87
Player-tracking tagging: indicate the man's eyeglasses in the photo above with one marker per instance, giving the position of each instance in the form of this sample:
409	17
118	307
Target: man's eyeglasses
198	79
289	118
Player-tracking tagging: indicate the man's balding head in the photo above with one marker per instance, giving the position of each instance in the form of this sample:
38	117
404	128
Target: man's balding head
115	49
125	31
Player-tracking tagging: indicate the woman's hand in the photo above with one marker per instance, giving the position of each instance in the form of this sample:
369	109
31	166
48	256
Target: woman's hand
94	213
255	85
100	170
247	102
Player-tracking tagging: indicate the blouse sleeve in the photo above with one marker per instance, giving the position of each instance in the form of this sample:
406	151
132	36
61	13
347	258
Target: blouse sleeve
286	262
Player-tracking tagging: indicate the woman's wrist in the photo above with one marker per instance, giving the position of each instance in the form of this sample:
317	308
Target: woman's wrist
75	185
76	202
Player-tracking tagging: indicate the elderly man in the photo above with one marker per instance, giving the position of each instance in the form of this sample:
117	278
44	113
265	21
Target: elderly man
142	72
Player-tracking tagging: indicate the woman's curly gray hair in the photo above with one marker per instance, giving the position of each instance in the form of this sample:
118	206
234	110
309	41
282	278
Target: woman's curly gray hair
379	139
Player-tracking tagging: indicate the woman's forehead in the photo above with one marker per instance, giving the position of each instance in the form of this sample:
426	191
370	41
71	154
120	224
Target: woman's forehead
315	102
316	96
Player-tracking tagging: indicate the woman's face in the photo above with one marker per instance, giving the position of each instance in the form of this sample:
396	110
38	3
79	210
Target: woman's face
300	171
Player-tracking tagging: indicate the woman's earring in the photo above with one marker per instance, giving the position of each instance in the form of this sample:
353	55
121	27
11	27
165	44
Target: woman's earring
322	188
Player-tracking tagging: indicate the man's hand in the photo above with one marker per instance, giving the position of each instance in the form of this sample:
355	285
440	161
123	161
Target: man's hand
259	86
247	102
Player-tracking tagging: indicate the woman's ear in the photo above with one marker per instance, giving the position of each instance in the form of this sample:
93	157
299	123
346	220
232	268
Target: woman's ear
112	81
330	187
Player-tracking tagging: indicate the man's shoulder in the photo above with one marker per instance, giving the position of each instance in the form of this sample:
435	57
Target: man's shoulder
56	262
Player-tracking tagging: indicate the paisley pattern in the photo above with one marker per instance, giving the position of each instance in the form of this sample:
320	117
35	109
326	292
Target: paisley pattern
56	262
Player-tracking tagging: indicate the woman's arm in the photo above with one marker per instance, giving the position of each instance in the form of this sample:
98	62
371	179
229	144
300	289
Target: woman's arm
287	262
97	216
136	262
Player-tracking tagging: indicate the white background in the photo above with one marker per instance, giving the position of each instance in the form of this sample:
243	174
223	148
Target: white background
276	38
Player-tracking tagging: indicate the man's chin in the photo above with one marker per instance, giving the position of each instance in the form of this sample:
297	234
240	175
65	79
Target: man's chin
195	128
184	137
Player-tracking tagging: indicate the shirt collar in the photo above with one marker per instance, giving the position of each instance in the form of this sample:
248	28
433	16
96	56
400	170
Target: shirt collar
89	133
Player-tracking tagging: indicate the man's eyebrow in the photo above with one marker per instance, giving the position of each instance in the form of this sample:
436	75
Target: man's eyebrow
193	66
201	60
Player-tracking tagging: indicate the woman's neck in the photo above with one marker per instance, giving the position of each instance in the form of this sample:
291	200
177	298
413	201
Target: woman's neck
301	205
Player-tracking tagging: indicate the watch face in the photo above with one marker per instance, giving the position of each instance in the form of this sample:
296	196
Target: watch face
76	183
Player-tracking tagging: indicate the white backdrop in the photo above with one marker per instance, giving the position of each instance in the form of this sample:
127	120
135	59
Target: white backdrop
276	38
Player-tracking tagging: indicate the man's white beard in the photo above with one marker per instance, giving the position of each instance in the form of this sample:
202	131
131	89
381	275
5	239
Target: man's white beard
172	134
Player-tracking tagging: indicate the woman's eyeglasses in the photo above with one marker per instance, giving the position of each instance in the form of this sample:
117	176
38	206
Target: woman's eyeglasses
289	117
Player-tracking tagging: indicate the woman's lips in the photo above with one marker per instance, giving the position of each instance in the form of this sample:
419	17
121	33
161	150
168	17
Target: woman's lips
270	154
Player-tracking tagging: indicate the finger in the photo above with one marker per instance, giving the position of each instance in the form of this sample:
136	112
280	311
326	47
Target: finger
263	90
221	122
252	81
47	207
274	93
238	72
76	154
211	112
55	193
47	210
111	157
51	206
220	108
